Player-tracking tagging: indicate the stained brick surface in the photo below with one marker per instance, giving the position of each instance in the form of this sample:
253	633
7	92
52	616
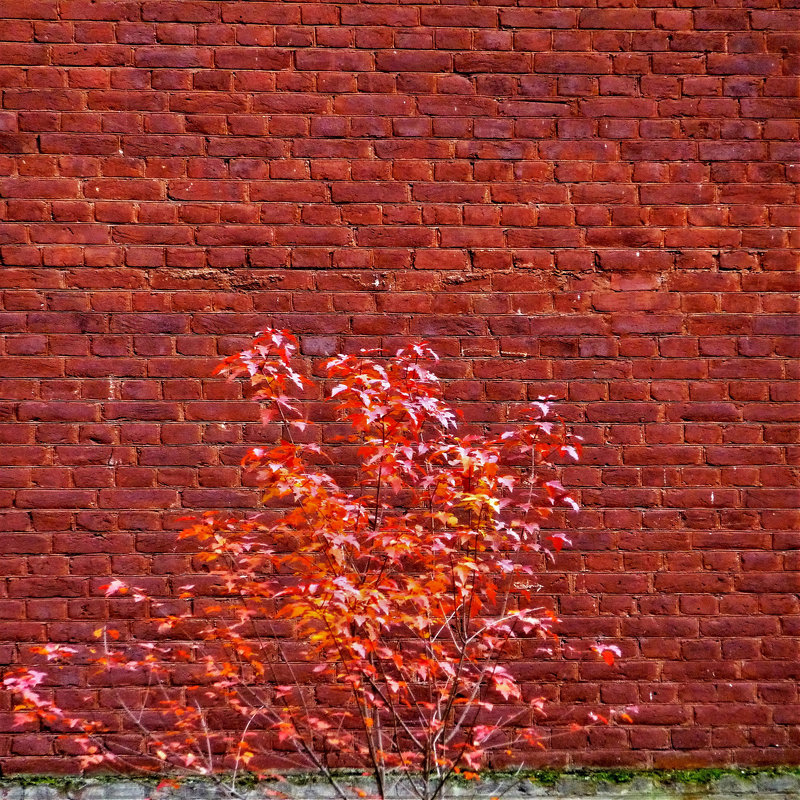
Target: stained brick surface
594	202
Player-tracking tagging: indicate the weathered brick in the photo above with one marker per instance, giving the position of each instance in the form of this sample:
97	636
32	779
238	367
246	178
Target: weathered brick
597	203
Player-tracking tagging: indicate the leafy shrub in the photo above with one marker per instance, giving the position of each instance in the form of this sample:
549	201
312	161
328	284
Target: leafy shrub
371	626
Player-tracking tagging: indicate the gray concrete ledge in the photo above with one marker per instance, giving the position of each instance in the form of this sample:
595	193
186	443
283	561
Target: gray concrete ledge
730	785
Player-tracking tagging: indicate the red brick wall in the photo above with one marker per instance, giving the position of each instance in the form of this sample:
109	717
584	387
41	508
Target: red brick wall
593	202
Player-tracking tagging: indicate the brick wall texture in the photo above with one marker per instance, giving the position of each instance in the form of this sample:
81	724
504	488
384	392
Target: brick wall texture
591	200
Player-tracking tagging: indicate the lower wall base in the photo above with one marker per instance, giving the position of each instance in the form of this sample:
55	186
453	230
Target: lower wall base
781	784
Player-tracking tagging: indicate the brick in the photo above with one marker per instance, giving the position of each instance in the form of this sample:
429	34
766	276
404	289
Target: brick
157	145
772	20
58	412
366	15
573	63
54	498
141	411
770	107
37	9
538	18
635	260
123	189
32	187
174	57
781	325
591	202
204	12
616	19
721	19
618	107
455	17
748	64
373	104
492	62
137	498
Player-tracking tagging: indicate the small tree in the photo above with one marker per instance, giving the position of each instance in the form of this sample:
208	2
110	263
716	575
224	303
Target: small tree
367	626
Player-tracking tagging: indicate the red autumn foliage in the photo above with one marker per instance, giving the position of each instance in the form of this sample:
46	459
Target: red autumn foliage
400	597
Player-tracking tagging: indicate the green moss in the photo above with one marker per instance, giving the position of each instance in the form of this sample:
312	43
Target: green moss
663	777
701	776
70	783
615	776
60	781
709	774
544	777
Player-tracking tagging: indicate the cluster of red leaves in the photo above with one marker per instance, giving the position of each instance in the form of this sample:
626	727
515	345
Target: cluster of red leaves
399	593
